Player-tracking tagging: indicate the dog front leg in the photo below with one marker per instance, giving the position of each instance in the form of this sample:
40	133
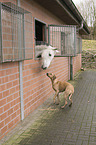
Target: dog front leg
58	99
70	98
56	94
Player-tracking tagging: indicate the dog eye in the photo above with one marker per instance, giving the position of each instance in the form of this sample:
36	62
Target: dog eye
49	54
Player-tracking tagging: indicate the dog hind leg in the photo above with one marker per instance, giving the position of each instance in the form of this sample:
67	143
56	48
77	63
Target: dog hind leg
65	97
70	98
64	104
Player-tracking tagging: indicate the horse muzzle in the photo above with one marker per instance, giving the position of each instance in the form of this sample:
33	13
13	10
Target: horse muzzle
47	74
43	67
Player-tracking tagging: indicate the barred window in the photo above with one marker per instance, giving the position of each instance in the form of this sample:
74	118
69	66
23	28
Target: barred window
16	33
63	38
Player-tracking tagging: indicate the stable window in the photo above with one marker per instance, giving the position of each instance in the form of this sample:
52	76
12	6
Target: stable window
63	38
15	33
40	32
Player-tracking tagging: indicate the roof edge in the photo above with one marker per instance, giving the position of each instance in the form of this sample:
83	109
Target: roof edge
74	12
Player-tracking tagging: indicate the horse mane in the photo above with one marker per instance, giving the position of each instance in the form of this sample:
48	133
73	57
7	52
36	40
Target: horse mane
41	47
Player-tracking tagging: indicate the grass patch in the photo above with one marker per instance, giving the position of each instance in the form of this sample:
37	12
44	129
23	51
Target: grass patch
88	44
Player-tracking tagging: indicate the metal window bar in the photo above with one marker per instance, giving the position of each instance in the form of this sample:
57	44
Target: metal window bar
16	32
0	33
63	37
79	45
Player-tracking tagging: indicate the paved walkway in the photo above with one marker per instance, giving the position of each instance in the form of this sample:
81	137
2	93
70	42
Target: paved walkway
70	126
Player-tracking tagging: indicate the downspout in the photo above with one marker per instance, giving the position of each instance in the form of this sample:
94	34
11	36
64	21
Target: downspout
81	26
71	58
21	80
71	68
21	89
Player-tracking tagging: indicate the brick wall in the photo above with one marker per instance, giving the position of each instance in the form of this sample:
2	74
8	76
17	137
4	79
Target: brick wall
9	97
76	63
36	85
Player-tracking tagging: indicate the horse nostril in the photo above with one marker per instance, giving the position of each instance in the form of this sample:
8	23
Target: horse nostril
43	67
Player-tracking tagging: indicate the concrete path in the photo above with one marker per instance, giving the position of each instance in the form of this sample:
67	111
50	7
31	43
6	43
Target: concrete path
74	125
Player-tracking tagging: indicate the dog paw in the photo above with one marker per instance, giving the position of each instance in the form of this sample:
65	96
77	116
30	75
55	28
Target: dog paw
62	107
57	103
70	105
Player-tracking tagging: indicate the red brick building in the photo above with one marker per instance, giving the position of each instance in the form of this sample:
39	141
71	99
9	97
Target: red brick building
23	23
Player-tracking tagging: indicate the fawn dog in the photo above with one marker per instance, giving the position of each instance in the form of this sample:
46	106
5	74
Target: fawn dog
59	86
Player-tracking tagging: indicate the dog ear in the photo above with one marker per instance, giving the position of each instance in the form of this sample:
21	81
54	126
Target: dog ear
54	77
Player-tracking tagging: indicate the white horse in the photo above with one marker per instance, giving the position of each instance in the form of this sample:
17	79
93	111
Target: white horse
46	53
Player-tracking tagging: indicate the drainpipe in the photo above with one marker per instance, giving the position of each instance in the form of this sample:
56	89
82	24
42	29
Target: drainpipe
81	26
71	68
21	79
71	58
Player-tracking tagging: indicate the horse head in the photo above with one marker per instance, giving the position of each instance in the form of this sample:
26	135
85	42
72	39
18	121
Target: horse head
46	54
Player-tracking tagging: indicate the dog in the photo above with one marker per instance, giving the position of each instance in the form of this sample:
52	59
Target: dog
59	86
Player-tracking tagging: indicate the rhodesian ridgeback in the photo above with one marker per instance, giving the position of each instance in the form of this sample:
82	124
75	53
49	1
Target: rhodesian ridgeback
63	86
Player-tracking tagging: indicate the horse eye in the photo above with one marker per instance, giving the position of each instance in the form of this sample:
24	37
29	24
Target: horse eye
49	54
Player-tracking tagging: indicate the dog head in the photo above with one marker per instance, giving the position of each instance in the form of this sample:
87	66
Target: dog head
51	76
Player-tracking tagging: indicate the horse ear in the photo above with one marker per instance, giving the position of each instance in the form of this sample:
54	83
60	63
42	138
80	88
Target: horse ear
55	49
39	56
